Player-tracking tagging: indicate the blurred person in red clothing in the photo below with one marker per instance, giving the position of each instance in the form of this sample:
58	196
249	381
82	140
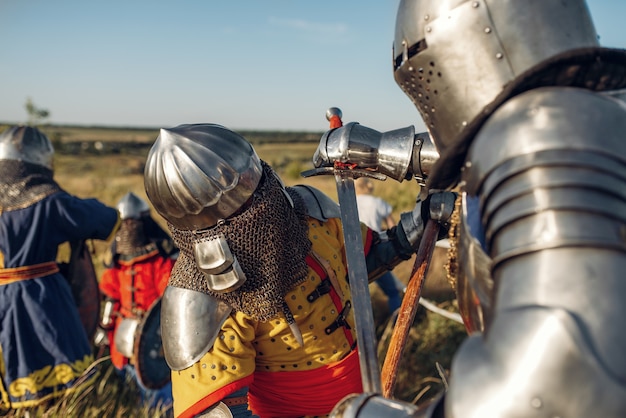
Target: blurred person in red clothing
142	258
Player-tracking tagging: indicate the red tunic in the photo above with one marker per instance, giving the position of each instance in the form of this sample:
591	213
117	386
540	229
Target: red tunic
147	275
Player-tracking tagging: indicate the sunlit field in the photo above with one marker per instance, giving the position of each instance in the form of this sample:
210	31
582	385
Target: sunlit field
107	163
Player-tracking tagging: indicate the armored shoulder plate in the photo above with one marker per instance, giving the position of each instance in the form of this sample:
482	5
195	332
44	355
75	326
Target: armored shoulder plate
190	323
319	206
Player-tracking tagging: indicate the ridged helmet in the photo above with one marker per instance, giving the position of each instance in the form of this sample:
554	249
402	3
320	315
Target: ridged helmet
132	206
197	174
28	144
457	59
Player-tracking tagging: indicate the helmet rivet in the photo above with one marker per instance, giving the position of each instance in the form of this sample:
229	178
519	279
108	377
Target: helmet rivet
487	30
499	55
475	4
429	29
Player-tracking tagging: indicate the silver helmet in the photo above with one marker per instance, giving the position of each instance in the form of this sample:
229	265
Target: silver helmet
457	59
27	144
132	206
198	174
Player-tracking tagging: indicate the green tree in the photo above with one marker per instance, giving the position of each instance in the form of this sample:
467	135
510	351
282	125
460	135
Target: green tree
35	114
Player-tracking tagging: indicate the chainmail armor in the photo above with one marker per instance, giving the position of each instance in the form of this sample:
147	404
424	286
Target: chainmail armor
137	237
22	184
130	237
270	241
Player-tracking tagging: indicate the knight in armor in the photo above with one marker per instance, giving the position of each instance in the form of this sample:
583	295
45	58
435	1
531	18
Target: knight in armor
44	346
142	257
527	112
256	317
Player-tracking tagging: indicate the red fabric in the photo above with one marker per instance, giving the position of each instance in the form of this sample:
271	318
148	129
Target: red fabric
151	276
215	397
289	394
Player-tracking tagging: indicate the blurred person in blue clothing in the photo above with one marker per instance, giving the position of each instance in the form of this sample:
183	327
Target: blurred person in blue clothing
377	214
44	349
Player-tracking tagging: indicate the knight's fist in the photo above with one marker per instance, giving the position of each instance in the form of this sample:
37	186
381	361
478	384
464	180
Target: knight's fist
388	153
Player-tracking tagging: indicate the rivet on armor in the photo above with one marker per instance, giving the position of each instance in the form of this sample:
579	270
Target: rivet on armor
428	29
213	366
487	30
222	337
411	69
308	363
303	288
213	378
282	366
193	377
323	318
288	348
234	367
300	307
293	297
204	365
231	349
321	358
295	366
535	403
475	4
499	55
310	326
426	17
273	340
332	311
224	367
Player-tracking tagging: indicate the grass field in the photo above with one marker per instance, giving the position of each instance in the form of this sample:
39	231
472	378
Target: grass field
107	163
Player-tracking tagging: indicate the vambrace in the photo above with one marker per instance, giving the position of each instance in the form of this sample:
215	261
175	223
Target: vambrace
389	248
549	170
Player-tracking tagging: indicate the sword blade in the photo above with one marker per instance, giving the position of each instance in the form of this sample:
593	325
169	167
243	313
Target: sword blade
357	273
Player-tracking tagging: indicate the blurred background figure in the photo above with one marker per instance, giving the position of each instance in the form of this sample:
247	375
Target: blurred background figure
377	214
142	257
45	350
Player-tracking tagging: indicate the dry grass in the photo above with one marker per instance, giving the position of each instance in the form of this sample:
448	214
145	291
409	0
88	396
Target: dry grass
108	177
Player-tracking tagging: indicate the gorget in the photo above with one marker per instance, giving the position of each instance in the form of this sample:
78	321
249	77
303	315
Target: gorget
23	184
269	239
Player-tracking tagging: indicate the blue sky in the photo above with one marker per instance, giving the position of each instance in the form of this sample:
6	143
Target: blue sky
247	64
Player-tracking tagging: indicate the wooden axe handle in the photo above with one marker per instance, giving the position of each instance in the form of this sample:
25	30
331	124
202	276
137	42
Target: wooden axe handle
408	309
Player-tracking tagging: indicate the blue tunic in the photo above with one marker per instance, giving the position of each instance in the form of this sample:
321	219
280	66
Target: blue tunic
44	348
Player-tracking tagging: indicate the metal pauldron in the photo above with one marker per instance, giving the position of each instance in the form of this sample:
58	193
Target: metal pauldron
190	323
552	190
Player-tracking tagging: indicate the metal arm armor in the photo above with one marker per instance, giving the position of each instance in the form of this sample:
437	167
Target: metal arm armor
399	154
549	168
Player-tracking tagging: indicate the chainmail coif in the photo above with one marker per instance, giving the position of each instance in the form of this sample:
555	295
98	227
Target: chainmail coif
23	184
270	241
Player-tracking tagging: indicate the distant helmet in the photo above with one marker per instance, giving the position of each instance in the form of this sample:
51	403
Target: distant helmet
458	60
132	206
27	144
197	174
